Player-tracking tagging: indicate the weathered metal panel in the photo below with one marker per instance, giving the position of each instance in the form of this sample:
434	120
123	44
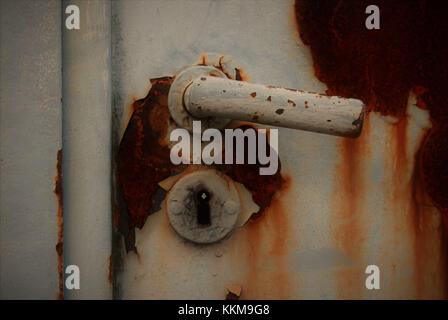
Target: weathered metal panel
343	205
30	133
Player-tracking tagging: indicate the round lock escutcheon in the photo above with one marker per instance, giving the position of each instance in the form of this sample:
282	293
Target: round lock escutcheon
203	206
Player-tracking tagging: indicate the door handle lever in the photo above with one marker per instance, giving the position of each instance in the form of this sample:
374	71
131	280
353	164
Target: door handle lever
210	95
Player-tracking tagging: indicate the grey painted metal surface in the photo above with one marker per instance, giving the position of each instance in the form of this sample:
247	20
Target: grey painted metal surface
87	149
30	137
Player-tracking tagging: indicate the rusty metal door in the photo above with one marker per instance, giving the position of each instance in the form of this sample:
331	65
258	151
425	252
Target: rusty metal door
365	186
338	204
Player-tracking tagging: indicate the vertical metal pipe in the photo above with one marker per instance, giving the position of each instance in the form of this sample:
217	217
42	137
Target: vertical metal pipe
87	121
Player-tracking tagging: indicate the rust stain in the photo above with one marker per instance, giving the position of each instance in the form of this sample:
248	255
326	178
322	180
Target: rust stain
280	223
292	102
232	296
60	245
419	240
381	67
202	60
233	292
346	227
267	244
253	94
261	187
110	270
241	75
143	158
427	279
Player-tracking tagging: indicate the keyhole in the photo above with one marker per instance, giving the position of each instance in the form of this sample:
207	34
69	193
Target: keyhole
203	213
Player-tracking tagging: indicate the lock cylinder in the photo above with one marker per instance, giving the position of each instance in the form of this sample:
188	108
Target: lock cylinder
203	206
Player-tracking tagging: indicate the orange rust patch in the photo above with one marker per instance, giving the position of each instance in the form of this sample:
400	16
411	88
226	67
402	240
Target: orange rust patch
346	227
60	245
241	75
267	240
280	221
253	94
202	60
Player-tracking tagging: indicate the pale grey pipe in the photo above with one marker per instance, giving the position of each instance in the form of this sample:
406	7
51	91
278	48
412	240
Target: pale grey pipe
209	96
87	148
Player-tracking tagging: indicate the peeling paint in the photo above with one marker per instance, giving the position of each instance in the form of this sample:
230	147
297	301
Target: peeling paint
143	158
233	292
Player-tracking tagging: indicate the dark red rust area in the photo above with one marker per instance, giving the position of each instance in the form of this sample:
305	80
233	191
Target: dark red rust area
144	156
381	67
60	245
262	187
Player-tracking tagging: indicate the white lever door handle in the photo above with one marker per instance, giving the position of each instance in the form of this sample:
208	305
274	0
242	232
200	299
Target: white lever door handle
218	97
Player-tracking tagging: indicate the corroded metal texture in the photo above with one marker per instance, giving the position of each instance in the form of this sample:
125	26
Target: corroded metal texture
144	159
408	54
339	205
406	58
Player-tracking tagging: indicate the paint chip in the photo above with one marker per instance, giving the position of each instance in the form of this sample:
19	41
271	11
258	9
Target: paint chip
233	292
